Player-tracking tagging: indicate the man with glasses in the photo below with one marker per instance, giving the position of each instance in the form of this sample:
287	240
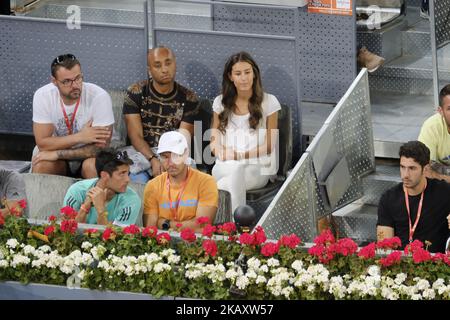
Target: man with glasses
180	194
106	199
157	105
72	120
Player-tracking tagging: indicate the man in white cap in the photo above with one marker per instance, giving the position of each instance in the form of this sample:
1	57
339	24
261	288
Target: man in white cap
181	194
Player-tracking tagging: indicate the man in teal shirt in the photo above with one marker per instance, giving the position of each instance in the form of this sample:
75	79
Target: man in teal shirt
106	199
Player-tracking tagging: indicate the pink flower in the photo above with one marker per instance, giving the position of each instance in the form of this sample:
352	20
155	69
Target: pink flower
421	255
14	212
188	235
131	229
269	249
368	252
246	238
69	226
325	237
392	258
202	220
390	243
227	228
22	203
150	232
49	230
163	238
178	225
346	247
291	241
68	212
260	236
210	247
52	218
208	230
442	257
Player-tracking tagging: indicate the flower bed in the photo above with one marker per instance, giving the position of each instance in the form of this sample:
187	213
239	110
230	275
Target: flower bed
232	265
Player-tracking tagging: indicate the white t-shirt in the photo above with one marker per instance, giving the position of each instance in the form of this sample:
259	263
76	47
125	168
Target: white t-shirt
95	104
238	134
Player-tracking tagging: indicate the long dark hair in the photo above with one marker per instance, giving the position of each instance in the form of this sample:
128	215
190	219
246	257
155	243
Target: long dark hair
229	93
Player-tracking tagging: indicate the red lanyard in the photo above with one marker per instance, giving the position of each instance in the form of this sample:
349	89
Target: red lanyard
174	210
66	118
419	212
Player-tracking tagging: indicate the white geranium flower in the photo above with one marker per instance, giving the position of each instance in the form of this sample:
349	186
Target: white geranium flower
12	243
261	279
29	250
422	284
86	245
4	264
45	248
400	278
373	270
429	294
297	265
272	262
287	291
242	282
254	263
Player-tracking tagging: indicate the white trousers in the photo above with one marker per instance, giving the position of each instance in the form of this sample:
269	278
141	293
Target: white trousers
237	178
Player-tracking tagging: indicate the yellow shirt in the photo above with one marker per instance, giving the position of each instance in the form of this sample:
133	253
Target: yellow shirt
435	136
200	191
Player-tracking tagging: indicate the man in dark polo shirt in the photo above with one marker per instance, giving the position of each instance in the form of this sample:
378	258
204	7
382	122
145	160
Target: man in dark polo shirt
418	208
158	105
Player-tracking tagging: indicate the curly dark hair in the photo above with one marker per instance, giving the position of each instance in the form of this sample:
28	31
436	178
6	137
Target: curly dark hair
417	151
229	93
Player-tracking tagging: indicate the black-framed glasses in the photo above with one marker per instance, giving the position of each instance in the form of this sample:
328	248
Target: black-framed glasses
122	155
60	59
69	82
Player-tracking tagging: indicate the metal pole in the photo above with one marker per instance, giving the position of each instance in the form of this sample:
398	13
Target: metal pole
152	22
297	77
146	26
434	54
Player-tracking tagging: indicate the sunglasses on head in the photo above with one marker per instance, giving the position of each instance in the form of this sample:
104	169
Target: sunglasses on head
60	59
122	155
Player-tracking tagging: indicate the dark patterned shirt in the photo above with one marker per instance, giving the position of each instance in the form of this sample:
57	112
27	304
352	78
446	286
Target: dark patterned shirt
159	112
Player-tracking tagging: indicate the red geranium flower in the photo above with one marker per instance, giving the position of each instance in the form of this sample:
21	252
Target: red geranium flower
90	231
269	249
107	234
210	247
13	211
68	212
131	229
325	238
421	255
2	220
390	243
227	228
69	226
392	258
49	230
322	253
22	203
52	218
163	238
208	230
260	235
246	238
150	232
413	246
202	220
291	241
368	251
188	235
442	257
346	247
178	225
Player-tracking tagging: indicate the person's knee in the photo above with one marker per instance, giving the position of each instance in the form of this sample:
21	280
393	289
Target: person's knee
88	169
49	167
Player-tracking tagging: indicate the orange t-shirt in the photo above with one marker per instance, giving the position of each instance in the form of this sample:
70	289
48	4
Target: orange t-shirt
200	191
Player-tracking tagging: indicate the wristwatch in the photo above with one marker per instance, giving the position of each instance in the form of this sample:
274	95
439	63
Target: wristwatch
151	157
166	224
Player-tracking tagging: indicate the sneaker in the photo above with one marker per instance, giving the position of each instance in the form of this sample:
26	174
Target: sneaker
425	14
369	60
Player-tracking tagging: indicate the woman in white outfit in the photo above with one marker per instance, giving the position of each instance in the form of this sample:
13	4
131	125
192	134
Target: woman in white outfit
244	130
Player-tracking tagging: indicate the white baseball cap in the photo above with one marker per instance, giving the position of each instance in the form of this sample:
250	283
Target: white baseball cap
172	141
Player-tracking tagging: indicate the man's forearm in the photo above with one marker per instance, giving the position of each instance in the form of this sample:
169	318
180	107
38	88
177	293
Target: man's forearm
142	146
81	153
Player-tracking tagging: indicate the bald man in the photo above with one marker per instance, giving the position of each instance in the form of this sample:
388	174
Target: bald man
157	105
